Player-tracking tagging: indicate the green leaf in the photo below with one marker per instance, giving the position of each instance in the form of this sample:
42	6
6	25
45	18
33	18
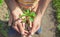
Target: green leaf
33	14
31	19
28	11
29	14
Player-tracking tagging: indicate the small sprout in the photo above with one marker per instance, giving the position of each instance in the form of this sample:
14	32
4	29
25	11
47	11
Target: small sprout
33	14
28	13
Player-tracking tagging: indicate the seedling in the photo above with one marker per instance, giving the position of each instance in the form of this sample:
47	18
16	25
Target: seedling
29	16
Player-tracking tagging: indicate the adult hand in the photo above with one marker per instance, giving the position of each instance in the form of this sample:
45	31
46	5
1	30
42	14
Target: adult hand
19	25
36	23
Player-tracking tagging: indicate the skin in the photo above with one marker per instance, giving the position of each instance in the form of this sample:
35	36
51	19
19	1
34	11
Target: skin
14	15
39	16
15	11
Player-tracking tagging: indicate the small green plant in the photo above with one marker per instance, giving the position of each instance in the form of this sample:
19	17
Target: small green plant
29	14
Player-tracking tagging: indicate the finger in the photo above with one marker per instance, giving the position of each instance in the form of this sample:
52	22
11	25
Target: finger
25	34
35	8
16	28
37	27
20	27
26	31
33	30
23	25
30	24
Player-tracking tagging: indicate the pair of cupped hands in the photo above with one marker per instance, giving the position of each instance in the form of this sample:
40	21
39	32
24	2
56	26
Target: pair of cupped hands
20	27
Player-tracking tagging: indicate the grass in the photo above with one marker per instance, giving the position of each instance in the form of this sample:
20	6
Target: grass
3	30
1	2
56	6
